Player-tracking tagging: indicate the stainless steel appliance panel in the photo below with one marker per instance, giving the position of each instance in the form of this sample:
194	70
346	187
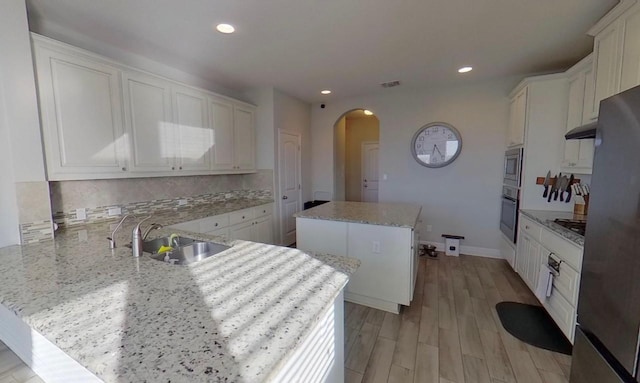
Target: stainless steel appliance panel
509	217
588	365
609	302
512	167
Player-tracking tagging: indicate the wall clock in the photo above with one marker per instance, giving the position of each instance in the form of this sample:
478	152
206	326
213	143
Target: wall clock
436	145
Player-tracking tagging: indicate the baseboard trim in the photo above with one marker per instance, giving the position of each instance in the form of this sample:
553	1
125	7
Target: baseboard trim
372	302
469	250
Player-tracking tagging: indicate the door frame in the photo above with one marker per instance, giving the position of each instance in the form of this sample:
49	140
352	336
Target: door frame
278	191
362	145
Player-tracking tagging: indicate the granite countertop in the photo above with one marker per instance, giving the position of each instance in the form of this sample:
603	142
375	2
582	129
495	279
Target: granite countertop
236	316
545	218
373	213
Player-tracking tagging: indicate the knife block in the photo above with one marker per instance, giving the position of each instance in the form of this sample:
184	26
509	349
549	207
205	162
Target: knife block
582	209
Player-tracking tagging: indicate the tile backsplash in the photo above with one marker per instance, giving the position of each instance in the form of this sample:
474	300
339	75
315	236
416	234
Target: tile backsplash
141	195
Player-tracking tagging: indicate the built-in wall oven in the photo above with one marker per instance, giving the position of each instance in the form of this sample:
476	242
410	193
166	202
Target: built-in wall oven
511	193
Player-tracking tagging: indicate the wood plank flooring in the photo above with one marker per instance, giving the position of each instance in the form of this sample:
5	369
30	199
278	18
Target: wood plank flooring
451	333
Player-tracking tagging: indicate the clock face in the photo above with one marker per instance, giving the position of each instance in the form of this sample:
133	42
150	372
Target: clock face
436	145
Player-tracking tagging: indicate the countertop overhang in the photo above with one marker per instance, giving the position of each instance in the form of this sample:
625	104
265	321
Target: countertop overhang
232	317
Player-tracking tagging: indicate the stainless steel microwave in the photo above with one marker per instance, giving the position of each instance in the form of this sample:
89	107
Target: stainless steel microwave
512	167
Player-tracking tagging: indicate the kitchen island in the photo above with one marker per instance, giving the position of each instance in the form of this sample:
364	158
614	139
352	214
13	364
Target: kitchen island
381	235
248	314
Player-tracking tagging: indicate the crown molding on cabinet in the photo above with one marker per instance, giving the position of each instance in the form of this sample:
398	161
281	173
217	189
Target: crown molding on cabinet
612	16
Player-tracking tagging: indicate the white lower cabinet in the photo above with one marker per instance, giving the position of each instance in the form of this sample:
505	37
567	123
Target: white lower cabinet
253	224
386	276
533	252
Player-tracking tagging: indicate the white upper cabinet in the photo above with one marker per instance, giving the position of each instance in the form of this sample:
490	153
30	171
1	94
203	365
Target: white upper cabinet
578	154
243	137
630	71
192	129
221	112
607	52
616	52
81	114
149	123
102	119
517	118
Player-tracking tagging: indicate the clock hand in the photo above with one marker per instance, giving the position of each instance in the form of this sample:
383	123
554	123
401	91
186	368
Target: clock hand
433	152
436	148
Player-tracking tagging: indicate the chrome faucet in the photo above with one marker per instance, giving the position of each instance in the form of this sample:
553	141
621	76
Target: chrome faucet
112	239
136	239
152	227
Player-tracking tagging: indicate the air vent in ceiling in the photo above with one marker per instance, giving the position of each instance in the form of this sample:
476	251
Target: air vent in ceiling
390	84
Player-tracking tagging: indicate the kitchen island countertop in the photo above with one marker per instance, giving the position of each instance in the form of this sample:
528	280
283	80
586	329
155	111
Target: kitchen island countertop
372	213
236	316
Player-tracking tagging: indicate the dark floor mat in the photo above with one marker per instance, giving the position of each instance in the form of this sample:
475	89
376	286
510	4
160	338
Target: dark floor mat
533	325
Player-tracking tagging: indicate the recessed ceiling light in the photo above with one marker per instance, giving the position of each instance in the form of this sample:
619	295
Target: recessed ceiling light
465	69
368	112
326	91
225	28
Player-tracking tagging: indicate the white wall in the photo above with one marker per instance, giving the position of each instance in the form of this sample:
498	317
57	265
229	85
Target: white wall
462	198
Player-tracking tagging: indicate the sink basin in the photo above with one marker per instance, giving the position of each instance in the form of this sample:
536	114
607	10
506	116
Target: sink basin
194	252
152	246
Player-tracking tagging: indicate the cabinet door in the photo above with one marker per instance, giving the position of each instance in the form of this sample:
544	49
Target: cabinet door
574	118
522	255
263	230
518	118
533	269
243	137
607	65
221	122
224	233
149	123
242	231
589	95
193	131
630	73
80	102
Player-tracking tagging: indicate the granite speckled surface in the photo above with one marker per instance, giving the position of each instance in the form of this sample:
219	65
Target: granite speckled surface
545	218
233	317
385	214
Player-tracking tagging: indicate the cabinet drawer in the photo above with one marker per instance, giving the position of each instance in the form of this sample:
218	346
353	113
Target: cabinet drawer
214	223
567	282
261	211
240	216
563	249
531	228
187	226
562	312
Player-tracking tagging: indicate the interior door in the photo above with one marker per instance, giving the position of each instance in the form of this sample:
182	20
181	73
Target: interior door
289	184
370	172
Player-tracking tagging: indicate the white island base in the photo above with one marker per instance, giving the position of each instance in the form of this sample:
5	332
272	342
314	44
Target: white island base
389	260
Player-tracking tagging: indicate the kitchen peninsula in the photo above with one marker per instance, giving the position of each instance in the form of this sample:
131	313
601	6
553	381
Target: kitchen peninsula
250	313
381	235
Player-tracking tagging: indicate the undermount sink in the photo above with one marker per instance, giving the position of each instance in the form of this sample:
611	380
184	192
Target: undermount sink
188	250
152	246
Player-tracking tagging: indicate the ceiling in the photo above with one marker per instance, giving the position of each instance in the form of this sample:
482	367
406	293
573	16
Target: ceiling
348	46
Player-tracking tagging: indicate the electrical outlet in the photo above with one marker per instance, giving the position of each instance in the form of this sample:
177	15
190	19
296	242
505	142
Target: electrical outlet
182	202
81	213
376	247
114	211
429	228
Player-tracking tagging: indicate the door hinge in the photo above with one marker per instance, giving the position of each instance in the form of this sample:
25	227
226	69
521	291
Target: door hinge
299	187
298	147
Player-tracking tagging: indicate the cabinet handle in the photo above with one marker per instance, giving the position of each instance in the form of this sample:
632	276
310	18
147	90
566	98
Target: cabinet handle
216	225
124	169
526	227
243	217
180	167
173	168
285	197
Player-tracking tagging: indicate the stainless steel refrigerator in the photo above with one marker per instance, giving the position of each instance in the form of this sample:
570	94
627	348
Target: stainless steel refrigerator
608	332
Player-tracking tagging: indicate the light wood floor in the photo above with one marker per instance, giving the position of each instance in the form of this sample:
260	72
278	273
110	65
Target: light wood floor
13	370
450	333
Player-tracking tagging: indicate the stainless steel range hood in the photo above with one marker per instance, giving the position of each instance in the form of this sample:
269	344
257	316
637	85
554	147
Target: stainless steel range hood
582	132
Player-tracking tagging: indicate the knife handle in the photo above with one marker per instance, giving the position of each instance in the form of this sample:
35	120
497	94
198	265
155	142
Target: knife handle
549	196
568	195
546	192
561	195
